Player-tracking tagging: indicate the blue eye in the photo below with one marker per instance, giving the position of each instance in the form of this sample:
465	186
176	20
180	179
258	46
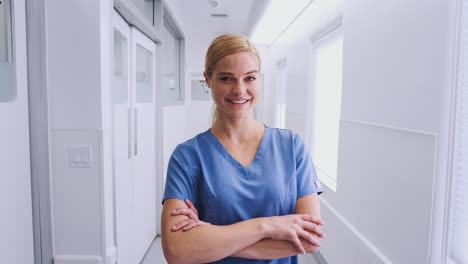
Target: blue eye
251	78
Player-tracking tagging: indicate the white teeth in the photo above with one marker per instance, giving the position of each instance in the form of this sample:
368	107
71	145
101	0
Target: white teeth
238	101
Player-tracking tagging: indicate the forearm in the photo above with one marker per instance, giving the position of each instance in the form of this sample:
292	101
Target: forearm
210	243
273	249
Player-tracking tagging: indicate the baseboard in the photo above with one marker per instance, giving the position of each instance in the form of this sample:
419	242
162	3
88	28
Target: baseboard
77	259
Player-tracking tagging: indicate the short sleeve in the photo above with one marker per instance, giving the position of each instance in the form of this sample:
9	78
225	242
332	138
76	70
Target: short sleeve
307	180
180	181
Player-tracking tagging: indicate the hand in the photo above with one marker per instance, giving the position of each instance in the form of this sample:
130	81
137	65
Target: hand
308	247
193	220
293	227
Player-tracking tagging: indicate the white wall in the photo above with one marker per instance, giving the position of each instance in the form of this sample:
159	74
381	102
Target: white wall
184	121
78	71
394	80
16	222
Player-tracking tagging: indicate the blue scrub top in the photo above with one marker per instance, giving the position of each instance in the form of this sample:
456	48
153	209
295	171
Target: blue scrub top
226	192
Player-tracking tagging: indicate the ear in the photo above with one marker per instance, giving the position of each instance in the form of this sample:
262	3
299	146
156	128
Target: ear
207	79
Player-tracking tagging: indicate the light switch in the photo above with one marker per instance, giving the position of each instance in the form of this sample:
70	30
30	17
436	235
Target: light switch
85	156
80	156
76	157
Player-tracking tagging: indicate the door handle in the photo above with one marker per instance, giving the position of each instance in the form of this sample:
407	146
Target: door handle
129	127
135	131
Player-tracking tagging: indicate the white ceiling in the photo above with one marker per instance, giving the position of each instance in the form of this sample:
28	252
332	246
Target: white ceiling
242	15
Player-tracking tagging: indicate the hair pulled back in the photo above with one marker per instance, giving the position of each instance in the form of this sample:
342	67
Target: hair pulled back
228	44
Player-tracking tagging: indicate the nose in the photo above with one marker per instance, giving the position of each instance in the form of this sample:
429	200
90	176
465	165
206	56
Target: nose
239	88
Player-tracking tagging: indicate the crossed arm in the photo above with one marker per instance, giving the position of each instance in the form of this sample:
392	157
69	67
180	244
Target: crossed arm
258	238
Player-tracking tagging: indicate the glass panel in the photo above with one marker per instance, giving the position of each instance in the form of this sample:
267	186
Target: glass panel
171	63
7	74
144	75
120	83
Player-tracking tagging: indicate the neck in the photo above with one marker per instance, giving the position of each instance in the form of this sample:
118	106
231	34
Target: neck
236	130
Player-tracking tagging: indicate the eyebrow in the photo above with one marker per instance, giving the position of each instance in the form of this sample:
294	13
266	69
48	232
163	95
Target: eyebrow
228	73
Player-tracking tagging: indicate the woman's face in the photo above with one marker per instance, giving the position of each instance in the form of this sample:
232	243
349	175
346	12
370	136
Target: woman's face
235	85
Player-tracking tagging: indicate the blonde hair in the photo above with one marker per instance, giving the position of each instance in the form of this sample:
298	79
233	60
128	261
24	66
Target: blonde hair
224	45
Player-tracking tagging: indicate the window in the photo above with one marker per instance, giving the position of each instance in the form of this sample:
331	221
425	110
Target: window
171	65
7	73
120	80
458	242
281	93
144	75
327	56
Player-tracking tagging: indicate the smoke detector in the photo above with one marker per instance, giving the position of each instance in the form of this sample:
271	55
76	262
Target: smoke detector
216	11
215	4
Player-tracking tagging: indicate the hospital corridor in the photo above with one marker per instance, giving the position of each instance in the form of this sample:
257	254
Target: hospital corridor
97	98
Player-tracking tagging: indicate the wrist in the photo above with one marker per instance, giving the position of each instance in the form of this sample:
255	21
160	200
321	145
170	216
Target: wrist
264	227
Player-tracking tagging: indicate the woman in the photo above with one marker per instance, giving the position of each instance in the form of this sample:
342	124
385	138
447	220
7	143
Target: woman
256	185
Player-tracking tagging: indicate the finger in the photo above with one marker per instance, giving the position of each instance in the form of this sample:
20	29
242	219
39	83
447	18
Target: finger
204	223
180	211
185	211
312	219
310	238
191	206
191	225
298	245
313	228
182	224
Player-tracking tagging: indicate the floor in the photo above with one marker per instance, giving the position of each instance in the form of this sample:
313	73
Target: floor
155	255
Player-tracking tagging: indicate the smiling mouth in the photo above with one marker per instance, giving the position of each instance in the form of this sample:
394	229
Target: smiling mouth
239	101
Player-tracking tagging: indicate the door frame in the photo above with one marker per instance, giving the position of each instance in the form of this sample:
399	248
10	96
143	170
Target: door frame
39	130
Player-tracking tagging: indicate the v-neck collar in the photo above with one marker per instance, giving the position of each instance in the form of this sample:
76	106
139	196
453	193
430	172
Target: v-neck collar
236	163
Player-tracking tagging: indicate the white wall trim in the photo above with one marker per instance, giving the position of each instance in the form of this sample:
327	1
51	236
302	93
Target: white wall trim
102	203
134	17
439	243
171	18
356	232
327	31
38	130
388	127
75	259
111	256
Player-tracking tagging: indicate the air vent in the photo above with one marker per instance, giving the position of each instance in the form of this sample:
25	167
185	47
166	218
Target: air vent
219	15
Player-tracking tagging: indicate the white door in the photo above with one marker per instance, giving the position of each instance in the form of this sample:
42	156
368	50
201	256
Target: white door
122	142
134	110
16	239
144	159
